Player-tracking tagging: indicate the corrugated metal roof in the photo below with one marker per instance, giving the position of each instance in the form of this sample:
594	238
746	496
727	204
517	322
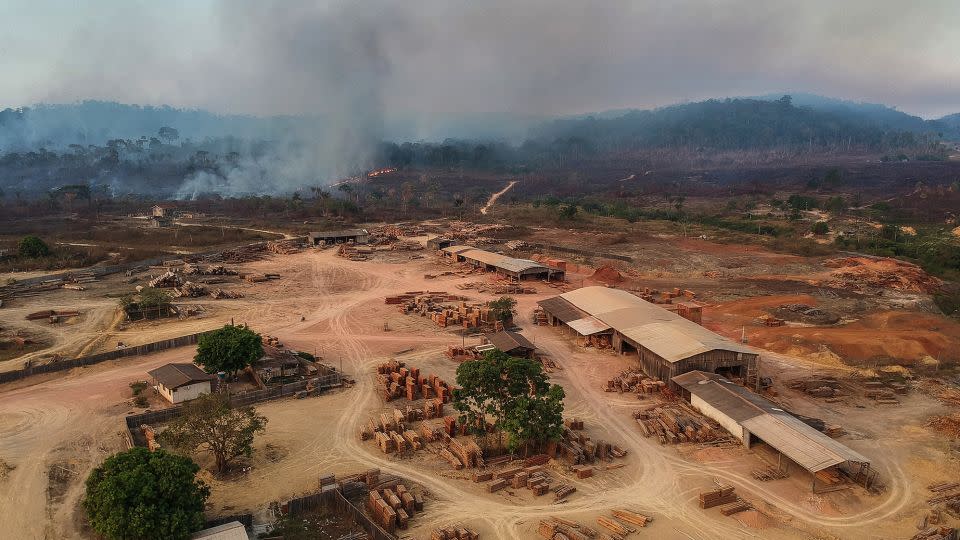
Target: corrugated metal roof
508	341
561	309
339	234
176	375
801	443
228	531
588	326
663	332
503	262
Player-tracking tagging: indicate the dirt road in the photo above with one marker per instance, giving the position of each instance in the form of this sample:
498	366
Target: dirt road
495	196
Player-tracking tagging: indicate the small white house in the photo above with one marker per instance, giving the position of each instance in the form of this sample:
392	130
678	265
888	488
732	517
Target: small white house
182	382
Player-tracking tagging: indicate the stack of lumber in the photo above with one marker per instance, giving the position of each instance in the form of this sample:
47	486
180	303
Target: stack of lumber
945	492
468	453
617	529
634	381
218	294
720	496
393	507
827	476
769	473
937	533
573	423
735	507
166	279
456	532
394	380
563	491
678	423
632	517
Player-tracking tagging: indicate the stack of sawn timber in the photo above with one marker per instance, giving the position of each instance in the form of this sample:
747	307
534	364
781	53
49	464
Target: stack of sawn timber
678	424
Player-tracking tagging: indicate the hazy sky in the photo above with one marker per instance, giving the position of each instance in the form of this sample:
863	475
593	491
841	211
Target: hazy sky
537	57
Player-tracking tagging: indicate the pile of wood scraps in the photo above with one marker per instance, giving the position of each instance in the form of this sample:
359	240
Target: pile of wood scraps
454	532
634	381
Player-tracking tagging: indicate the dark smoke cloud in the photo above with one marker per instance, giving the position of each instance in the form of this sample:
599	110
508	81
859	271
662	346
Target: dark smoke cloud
401	68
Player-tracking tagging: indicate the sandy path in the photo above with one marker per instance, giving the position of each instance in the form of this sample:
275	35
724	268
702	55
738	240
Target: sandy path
495	196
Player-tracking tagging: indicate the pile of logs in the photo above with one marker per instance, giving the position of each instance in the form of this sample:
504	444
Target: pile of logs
769	473
219	294
676	424
166	279
634	381
284	247
937	533
189	289
619	525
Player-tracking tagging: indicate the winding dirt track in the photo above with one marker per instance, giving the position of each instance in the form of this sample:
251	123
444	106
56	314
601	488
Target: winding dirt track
493	198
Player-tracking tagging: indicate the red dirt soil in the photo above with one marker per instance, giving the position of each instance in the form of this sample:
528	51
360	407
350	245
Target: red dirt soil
607	274
896	336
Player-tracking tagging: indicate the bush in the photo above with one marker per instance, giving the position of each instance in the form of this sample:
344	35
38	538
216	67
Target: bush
32	247
820	227
141	401
138	387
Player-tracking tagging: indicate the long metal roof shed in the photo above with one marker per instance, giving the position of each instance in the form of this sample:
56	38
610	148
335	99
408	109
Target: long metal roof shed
806	446
663	332
510	264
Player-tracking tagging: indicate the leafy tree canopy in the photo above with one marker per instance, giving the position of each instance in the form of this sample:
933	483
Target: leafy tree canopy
820	227
514	392
209	424
229	349
145	495
503	308
33	247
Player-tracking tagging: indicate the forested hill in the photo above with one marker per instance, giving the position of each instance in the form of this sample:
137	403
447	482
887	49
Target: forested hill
739	124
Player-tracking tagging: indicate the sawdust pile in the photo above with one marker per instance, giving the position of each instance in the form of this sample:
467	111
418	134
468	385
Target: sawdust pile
863	273
607	274
754	519
946	425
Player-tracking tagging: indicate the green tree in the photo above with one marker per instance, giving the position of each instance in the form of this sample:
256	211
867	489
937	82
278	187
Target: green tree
209	424
33	247
534	418
567	211
820	227
836	205
503	308
145	495
151	297
512	392
229	349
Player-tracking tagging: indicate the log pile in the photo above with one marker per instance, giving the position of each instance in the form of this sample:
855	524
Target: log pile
284	247
620	524
166	279
676	424
219	294
634	381
577	449
189	289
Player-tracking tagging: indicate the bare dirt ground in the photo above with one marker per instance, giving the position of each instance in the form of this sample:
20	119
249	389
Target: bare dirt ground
335	307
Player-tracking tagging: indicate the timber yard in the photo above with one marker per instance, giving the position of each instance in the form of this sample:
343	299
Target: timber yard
696	403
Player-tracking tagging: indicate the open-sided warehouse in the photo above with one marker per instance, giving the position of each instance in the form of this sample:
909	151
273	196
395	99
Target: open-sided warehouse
753	419
665	343
506	266
358	236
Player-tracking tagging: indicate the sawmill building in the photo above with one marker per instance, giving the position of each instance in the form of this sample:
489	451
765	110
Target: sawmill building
666	344
752	419
518	269
357	236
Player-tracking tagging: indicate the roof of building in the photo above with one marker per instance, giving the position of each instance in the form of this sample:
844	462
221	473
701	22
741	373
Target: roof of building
588	326
561	309
176	375
340	233
503	262
801	443
507	341
228	531
663	332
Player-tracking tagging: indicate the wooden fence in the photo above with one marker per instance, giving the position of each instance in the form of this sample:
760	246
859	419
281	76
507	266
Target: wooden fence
137	350
134	421
333	500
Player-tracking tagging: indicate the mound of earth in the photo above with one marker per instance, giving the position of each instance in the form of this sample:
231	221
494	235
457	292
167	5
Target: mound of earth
864	273
607	274
805	314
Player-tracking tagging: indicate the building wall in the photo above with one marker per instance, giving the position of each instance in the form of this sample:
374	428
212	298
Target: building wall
728	423
165	392
188	392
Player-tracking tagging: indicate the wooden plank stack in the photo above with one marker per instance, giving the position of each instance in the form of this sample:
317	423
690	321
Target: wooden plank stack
456	532
393	507
678	423
720	496
634	381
